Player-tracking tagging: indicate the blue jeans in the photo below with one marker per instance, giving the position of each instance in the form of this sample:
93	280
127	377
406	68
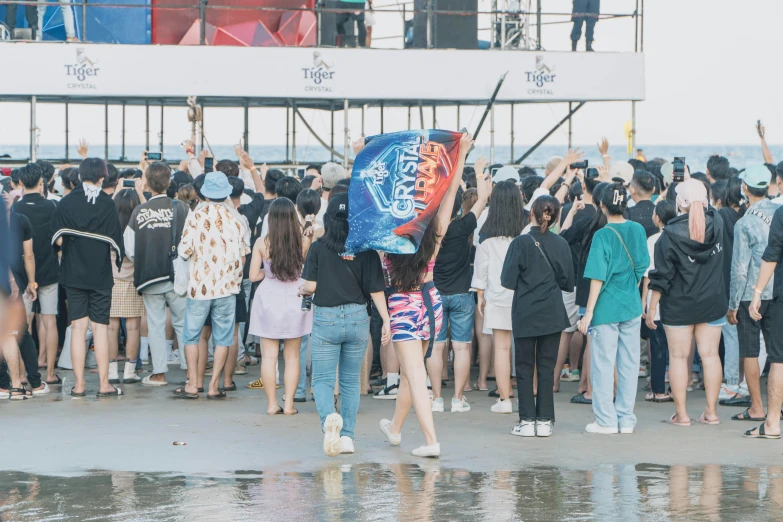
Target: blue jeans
340	334
615	343
301	388
223	315
458	310
731	354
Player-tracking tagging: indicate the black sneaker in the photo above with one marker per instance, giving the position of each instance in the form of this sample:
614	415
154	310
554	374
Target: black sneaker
388	393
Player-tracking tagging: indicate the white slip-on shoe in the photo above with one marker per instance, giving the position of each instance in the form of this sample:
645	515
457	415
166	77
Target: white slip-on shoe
459	406
437	405
433	450
594	427
346	445
543	428
44	391
524	429
628	430
147	382
393	439
332	426
502	406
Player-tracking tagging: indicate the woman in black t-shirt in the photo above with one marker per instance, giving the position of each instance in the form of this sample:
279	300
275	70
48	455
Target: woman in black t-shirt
341	327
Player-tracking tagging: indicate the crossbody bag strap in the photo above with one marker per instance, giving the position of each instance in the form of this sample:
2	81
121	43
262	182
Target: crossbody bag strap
538	246
360	280
173	252
633	266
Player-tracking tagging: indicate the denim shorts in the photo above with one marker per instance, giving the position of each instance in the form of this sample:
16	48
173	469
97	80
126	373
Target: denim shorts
223	311
458	310
717	322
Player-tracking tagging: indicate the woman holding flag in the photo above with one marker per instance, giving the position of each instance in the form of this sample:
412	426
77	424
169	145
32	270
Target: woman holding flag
415	311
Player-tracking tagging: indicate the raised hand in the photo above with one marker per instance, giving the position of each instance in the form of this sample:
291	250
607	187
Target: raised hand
83	148
603	147
573	155
480	165
465	143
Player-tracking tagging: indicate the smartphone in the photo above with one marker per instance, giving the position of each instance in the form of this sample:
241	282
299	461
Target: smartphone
494	171
154	156
128	183
758	128
300	174
591	173
678	171
209	165
579	165
464	130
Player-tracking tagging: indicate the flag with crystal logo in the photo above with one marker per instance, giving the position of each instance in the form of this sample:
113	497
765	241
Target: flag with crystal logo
397	184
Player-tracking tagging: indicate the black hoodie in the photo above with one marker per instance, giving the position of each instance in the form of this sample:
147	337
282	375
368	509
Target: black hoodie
690	274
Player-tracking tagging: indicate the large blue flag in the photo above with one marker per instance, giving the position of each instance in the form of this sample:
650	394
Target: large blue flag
397	184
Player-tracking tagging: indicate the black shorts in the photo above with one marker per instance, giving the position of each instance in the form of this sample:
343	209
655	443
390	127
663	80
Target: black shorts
95	304
775	342
748	330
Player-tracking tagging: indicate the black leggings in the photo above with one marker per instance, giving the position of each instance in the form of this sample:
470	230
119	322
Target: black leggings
540	351
659	356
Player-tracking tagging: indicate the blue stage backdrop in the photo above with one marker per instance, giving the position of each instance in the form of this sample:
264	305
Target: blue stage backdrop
397	184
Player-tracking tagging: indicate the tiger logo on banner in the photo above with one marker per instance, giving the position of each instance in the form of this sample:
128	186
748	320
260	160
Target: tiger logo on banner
397	184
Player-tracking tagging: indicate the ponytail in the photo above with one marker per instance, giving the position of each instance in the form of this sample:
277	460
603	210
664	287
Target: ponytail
696	222
546	210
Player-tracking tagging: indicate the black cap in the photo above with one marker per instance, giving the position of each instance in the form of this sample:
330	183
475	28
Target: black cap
338	207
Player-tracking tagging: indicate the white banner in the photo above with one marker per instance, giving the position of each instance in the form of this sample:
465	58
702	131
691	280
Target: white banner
322	73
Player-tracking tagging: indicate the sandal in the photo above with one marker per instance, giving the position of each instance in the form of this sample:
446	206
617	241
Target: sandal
745	416
115	393
760	434
580	398
650	397
743	401
78	394
17	394
476	388
180	393
681	424
703	420
54	383
233	387
294	413
279	411
219	396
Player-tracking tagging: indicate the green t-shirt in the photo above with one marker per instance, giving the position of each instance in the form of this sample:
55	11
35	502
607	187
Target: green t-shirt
608	262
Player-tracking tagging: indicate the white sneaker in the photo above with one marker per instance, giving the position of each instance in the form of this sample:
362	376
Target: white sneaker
524	429
332	426
44	391
627	431
543	428
459	405
394	439
437	405
346	445
727	391
114	374
642	372
502	406
594	427
173	357
433	450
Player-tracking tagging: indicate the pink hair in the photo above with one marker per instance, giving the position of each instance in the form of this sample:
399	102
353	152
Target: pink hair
696	223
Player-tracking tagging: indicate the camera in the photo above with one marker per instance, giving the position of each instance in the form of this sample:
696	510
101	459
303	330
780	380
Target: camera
307	303
154	156
678	171
128	183
591	173
209	164
579	165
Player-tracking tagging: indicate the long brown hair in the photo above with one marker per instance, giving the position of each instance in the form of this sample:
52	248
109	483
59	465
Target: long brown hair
405	270
284	240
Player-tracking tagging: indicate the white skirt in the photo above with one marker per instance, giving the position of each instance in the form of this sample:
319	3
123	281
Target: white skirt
496	318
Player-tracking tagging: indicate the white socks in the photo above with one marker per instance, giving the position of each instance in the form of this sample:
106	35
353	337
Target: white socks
392	379
144	349
130	369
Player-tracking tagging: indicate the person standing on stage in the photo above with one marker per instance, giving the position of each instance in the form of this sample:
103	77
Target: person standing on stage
585	11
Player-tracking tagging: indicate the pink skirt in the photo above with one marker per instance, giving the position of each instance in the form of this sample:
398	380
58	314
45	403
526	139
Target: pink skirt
276	311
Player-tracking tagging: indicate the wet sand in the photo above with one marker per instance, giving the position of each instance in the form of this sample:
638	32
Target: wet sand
57	434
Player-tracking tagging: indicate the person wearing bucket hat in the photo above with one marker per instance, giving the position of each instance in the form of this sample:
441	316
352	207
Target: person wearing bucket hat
751	235
213	241
688	255
342	287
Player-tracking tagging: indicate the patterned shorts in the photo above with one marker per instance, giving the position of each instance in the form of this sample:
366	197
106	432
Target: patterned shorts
408	316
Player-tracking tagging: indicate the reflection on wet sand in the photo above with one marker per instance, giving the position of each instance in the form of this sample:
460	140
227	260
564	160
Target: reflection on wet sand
403	492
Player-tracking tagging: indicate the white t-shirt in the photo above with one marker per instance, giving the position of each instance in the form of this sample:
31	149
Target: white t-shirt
651	249
540	191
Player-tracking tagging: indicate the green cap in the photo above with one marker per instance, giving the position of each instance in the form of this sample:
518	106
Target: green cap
757	176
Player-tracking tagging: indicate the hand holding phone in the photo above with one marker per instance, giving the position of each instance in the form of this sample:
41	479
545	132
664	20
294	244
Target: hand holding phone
678	171
154	156
760	129
209	164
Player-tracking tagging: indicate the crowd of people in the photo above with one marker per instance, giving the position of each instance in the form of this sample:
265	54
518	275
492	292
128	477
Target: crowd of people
600	276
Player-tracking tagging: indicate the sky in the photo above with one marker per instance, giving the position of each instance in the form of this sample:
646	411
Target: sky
711	72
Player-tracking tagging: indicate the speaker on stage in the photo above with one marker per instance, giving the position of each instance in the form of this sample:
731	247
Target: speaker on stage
449	31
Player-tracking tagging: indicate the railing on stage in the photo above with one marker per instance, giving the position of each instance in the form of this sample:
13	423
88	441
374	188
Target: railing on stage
500	24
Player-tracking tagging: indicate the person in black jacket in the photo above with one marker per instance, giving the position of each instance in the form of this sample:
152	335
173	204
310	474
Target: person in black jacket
688	282
538	267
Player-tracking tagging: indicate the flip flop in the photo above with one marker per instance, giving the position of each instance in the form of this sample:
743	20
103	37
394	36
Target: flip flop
703	420
745	416
580	398
760	434
78	394
681	424
296	412
116	393
476	388
233	387
54	383
147	381
743	401
180	393
220	396
653	398
278	412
